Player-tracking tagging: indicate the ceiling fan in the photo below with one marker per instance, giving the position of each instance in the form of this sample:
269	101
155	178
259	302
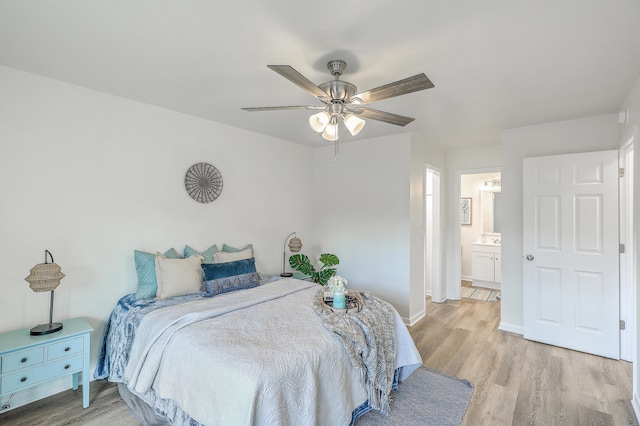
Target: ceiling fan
341	99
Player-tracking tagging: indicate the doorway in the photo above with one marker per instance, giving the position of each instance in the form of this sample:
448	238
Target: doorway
480	234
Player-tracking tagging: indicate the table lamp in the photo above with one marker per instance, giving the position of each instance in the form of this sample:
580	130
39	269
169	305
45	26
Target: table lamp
294	246
45	277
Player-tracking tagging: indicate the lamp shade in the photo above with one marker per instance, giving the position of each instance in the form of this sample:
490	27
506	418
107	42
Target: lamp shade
44	277
319	121
354	123
295	245
331	132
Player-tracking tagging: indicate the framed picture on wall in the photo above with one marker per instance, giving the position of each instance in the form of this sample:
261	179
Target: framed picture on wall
465	211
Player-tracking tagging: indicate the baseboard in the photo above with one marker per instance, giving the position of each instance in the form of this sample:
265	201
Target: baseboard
635	403
485	284
517	329
415	318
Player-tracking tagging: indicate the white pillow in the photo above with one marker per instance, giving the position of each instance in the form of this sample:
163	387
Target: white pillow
224	257
178	276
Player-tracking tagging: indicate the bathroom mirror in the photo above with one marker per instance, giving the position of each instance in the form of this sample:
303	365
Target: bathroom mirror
490	212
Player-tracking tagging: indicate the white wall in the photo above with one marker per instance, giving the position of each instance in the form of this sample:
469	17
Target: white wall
369	211
564	137
422	154
91	177
361	214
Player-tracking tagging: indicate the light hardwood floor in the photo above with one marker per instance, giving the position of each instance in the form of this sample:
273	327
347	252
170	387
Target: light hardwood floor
516	382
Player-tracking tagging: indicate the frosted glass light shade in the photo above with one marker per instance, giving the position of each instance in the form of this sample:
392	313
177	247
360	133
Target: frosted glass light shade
319	121
354	123
331	132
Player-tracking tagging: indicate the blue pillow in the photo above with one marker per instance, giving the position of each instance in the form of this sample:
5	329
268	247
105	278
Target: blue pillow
228	249
207	254
225	277
146	271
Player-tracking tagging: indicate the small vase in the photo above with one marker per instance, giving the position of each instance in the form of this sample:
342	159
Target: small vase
339	301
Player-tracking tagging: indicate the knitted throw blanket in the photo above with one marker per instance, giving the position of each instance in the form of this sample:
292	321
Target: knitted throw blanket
369	338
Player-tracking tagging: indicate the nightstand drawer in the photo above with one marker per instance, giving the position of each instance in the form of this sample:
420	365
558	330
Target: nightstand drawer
64	348
22	379
22	359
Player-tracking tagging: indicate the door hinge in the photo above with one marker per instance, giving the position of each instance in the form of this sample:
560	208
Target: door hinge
623	325
621	172
622	248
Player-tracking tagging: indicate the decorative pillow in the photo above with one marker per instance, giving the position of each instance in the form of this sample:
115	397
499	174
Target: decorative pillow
229	276
222	256
177	277
228	249
146	271
207	254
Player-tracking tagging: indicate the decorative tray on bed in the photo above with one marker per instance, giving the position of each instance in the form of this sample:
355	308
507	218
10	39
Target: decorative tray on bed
354	302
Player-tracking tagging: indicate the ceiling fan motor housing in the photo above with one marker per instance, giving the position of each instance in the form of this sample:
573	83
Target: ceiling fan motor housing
336	67
339	90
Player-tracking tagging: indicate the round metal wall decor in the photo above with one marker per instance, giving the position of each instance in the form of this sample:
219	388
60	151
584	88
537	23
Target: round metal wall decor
203	182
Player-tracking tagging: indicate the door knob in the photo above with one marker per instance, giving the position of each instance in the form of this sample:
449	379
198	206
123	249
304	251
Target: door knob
529	257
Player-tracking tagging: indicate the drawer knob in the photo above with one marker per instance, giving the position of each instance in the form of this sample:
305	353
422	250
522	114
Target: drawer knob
66	367
67	349
24	379
23	360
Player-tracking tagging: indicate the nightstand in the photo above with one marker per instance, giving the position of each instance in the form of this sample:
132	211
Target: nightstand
27	361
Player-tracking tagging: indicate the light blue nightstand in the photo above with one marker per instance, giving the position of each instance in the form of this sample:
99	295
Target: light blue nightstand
27	360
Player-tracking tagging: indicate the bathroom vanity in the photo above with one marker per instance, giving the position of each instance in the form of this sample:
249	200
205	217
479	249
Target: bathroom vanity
486	264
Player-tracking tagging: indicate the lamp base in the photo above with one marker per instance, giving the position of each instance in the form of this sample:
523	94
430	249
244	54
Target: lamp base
41	329
286	274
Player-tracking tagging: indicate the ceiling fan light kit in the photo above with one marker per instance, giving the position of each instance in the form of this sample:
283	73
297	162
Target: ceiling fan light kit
319	121
342	100
354	123
330	132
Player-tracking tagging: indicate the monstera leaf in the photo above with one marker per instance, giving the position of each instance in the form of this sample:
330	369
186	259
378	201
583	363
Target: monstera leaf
301	263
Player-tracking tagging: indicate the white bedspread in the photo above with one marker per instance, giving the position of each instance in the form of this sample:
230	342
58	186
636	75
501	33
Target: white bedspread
260	356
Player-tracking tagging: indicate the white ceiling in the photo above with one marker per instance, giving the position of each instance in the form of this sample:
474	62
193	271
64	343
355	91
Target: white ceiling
495	64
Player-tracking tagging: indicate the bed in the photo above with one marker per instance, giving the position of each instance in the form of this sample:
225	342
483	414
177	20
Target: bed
253	356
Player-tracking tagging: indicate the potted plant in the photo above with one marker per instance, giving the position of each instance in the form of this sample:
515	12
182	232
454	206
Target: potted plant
325	263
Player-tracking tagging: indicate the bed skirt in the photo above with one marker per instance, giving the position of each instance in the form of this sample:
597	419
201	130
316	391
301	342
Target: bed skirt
147	416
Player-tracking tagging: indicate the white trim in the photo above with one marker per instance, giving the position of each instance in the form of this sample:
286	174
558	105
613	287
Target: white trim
436	249
627	264
517	329
414	319
635	403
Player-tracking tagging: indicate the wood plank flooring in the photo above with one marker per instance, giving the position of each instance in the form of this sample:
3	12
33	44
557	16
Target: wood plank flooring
516	382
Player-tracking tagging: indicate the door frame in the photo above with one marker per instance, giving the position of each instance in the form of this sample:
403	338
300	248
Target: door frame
628	267
433	242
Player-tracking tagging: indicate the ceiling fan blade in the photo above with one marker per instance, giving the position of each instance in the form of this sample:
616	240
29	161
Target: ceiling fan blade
295	77
400	87
276	108
387	117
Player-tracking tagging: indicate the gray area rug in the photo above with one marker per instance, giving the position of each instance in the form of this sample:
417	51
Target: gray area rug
483	294
426	398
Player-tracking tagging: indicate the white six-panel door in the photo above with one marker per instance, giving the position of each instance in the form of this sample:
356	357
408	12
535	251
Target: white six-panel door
570	234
